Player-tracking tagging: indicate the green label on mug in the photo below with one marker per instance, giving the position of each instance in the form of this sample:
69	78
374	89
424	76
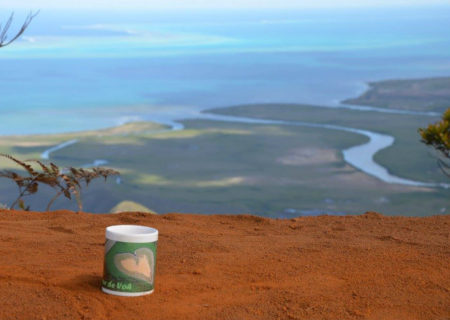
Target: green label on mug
129	267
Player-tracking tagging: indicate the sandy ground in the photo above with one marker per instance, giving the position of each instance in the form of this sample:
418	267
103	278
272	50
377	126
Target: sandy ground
231	267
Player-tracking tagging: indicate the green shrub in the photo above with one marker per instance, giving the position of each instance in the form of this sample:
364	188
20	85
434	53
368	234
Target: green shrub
437	135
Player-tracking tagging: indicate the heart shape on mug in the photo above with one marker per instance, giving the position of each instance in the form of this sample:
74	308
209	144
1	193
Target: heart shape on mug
138	265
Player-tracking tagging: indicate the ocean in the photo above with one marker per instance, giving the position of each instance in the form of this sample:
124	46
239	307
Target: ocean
77	70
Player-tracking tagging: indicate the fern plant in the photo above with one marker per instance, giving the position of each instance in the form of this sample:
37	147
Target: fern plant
66	182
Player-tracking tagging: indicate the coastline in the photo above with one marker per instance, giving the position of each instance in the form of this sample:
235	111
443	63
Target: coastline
360	157
423	96
160	159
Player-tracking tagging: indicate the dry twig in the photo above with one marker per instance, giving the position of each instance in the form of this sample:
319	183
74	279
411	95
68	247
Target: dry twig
67	182
4	31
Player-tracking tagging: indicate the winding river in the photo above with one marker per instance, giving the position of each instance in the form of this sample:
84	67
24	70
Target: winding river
360	156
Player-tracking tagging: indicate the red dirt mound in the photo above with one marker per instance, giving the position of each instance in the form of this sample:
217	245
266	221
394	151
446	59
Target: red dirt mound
231	267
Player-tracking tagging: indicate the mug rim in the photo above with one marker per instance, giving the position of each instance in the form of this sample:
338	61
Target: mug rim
131	233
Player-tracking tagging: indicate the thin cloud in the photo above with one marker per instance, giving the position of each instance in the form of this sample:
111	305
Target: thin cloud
210	4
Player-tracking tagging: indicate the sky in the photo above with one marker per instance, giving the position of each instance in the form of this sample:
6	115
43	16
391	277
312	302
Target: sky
208	4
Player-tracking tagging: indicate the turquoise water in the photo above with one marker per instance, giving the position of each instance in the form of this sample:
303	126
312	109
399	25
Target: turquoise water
85	70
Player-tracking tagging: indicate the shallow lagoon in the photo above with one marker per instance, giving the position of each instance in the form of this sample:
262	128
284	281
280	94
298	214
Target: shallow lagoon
77	71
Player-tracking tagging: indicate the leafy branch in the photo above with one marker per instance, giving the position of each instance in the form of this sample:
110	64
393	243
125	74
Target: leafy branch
66	182
437	135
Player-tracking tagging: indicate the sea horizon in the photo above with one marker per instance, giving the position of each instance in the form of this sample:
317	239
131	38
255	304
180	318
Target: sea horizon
102	69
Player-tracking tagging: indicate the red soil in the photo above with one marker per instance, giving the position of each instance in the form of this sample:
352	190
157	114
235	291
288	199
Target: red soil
231	267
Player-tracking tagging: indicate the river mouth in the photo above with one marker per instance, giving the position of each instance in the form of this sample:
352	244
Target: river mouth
360	157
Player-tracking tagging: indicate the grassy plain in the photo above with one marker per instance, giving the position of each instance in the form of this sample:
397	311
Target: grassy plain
225	167
408	157
219	167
